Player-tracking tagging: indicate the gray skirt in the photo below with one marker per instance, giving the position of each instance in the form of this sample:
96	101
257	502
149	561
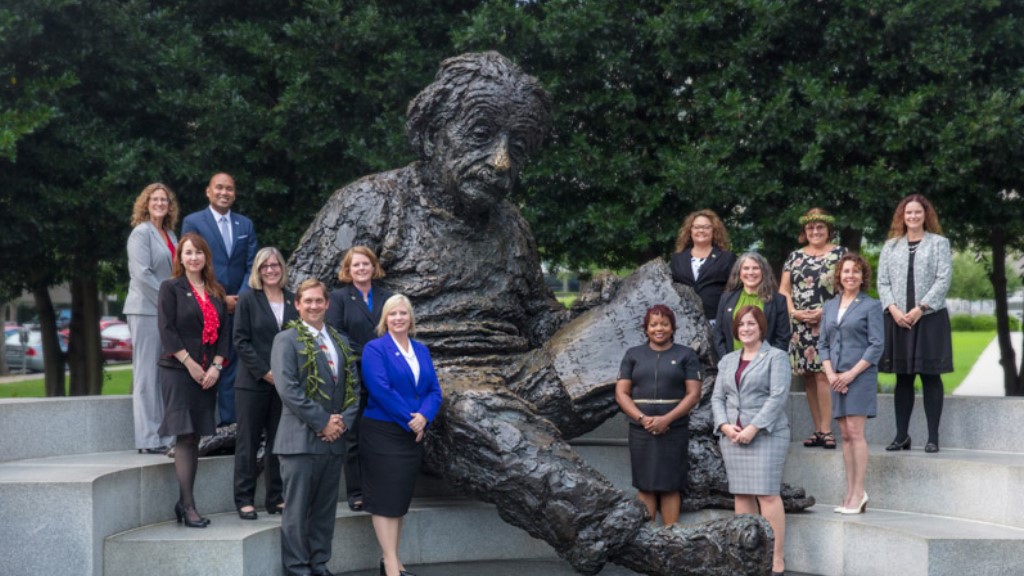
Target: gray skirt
756	468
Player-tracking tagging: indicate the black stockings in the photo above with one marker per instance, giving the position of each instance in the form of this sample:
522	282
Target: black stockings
186	461
903	399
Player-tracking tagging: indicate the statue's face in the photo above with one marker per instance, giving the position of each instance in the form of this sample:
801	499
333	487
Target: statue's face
484	148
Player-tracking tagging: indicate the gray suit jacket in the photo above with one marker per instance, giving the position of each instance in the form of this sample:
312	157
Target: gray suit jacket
933	271
301	417
762	395
859	335
149	264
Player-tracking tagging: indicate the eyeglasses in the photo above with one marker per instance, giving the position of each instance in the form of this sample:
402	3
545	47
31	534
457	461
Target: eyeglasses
159	200
702	227
271	266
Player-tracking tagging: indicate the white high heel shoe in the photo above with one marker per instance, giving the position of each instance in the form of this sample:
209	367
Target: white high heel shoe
859	509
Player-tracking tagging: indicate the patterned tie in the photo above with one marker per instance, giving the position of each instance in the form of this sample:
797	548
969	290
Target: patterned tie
323	348
225	232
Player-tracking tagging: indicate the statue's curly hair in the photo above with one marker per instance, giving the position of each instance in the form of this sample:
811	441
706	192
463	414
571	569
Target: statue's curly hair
458	80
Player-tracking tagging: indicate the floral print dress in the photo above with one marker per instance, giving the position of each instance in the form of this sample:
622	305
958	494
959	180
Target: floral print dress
811	281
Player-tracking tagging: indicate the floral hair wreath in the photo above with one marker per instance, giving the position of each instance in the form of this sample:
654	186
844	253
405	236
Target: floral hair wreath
826	218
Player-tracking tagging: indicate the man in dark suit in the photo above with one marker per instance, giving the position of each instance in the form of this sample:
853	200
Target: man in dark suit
232	241
318	400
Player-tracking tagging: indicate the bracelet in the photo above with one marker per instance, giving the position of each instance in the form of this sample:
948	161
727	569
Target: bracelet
185	359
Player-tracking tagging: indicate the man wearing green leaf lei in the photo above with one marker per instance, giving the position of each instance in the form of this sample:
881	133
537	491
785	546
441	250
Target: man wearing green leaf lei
315	375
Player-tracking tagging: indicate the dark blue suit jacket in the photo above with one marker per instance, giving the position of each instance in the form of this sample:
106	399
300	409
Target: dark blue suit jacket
232	269
394	395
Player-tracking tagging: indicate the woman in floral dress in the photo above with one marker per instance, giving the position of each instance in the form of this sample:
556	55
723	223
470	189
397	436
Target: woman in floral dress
807	284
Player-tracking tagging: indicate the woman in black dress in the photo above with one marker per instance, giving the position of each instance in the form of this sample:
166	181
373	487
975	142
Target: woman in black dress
259	316
193	330
355	311
914	273
702	260
657	387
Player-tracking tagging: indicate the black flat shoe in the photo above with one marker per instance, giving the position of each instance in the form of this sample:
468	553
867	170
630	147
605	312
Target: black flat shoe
931	447
250	515
898	445
355	503
161	450
275	509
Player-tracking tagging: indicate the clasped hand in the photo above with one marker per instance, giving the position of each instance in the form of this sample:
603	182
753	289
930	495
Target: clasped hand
333	430
739	435
418	425
656	424
205	378
839	382
906	320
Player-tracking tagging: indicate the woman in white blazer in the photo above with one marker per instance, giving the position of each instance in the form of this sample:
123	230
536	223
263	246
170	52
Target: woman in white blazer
914	273
749	407
151	248
850	345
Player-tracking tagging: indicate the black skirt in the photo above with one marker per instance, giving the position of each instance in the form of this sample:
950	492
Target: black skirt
389	459
927	348
188	409
660	463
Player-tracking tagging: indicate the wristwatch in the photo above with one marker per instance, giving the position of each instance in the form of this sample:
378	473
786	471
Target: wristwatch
219	367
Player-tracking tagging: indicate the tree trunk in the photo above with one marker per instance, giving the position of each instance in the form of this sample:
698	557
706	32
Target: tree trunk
851	238
4	368
1007	356
84	352
53	357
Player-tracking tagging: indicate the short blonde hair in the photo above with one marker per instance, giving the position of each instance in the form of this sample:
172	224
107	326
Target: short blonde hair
392	303
344	274
255	281
309	284
140	211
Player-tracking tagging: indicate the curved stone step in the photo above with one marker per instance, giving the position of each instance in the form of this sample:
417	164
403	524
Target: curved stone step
968	484
435	531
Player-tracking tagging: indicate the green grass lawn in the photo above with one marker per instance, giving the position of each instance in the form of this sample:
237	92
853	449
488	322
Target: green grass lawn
967	346
116	382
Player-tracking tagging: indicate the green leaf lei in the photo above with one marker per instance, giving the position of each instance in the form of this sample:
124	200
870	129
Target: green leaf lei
310	349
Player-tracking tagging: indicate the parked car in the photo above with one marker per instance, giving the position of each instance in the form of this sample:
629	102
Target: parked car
116	342
31	355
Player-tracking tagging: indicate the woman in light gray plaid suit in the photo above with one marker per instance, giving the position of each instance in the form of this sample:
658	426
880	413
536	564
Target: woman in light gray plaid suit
749	404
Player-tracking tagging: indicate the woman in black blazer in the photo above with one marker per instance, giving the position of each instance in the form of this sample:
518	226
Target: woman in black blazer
751	282
261	313
194	333
702	260
355	311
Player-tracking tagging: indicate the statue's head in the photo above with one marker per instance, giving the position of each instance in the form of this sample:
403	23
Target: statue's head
476	124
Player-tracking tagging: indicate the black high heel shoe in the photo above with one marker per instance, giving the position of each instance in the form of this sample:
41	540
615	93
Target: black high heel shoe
931	447
897	445
181	513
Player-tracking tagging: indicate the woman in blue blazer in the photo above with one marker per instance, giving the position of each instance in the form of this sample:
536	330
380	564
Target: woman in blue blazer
850	345
752	283
404	397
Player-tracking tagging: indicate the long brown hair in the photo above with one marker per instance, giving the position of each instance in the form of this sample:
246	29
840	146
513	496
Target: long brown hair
719	236
140	211
931	219
209	278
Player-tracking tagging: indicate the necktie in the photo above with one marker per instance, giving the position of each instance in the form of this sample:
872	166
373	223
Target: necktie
327	353
225	232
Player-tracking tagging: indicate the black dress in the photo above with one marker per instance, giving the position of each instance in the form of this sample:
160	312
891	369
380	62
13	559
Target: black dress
927	348
659	463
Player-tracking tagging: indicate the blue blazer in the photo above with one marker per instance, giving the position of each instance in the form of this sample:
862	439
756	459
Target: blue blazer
859	335
232	269
393	393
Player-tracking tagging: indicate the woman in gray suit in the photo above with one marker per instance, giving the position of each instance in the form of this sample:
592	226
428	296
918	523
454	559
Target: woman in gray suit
850	346
151	248
914	272
749	404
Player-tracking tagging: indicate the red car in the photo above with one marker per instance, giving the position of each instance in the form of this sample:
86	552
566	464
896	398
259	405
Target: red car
116	343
